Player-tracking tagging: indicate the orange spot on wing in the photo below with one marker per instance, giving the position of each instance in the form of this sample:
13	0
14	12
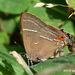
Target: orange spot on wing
61	37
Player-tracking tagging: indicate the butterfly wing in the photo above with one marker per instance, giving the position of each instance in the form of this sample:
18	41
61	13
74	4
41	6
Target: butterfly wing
39	40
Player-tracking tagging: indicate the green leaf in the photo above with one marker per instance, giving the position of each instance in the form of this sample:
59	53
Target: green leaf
14	6
8	25
71	3
57	66
10	62
4	39
69	27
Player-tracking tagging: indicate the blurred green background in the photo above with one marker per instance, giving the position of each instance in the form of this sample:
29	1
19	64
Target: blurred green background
11	38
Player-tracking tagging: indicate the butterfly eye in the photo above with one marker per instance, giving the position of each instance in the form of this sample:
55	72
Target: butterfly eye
61	38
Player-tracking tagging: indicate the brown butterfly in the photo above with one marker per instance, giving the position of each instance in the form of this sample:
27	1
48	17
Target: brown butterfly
40	40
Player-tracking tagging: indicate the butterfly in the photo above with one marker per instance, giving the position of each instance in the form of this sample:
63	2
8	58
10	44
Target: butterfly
41	41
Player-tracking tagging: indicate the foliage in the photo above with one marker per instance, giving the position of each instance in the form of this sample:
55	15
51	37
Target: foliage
10	35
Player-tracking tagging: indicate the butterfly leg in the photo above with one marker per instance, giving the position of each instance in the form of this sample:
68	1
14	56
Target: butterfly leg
58	52
29	62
